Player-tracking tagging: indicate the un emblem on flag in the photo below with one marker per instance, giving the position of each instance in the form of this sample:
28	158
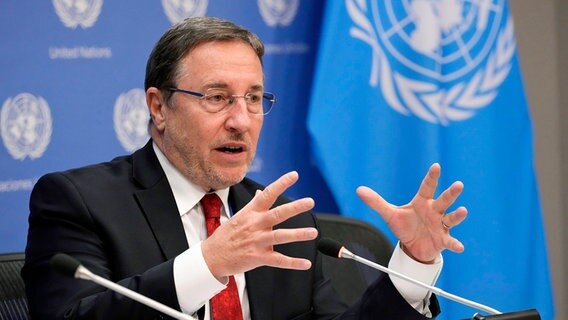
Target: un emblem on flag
131	118
25	123
177	10
75	13
439	60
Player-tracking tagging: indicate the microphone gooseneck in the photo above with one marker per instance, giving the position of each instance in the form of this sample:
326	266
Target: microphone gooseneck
334	249
69	266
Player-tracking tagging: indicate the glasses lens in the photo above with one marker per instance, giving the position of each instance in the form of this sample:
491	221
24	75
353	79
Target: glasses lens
268	100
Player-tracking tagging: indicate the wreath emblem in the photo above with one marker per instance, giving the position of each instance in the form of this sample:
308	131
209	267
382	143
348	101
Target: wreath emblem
75	13
177	10
429	100
278	12
26	126
131	119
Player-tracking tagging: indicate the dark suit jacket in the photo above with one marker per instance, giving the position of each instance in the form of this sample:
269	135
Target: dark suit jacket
120	220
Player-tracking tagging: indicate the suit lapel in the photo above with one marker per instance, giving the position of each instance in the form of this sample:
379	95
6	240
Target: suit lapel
158	205
260	281
157	202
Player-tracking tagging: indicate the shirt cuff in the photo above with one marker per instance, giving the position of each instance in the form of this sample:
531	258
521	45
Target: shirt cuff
416	296
195	284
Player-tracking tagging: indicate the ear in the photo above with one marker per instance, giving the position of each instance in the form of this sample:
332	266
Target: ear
156	106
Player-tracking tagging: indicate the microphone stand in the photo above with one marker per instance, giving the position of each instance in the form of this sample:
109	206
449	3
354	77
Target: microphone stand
69	266
344	253
85	274
531	314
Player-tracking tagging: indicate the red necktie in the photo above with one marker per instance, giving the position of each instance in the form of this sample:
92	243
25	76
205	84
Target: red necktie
226	305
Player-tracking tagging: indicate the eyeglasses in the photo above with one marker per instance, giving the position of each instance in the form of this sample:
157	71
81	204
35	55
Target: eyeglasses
218	101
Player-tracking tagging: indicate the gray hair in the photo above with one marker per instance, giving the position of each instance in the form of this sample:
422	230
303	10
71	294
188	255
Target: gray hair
180	39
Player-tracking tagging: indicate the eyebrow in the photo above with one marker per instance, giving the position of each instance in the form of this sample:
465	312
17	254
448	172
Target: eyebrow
221	85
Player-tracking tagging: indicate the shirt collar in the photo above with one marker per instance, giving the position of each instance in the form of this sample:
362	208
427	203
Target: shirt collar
186	193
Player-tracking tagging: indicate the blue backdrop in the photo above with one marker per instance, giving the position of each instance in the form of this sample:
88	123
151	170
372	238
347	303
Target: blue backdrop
72	89
418	82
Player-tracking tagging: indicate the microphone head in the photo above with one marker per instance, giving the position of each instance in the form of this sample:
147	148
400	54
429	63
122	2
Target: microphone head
64	264
330	247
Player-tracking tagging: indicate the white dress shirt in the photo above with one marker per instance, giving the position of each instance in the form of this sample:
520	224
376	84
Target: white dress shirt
195	284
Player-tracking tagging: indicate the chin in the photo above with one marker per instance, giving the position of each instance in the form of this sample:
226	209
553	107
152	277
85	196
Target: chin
227	179
235	178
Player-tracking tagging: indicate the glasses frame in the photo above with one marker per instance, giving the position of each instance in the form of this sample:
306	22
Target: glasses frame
268	96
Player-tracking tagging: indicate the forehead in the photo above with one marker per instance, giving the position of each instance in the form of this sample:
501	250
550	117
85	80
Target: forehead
228	62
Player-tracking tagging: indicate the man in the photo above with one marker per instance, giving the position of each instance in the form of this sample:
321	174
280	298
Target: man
144	220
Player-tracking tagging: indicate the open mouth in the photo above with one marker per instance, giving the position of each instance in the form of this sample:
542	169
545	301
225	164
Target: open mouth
231	149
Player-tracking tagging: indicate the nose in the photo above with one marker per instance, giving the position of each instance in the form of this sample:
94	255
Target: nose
239	119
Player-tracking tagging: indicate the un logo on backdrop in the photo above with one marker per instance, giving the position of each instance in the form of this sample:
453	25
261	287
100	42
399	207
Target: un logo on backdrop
440	60
177	10
278	12
75	13
131	118
25	123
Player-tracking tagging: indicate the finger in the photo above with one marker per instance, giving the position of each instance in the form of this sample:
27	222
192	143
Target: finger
282	236
278	260
430	182
454	245
264	199
454	218
448	197
288	210
375	202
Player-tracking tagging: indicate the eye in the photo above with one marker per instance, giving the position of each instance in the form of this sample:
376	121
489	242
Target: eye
253	98
215	98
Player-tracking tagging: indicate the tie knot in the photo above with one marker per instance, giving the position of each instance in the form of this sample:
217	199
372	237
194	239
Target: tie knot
211	205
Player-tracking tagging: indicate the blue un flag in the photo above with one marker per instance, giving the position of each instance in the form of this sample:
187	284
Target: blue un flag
401	84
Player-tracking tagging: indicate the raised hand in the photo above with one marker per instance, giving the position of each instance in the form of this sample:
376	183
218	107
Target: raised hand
422	225
247	240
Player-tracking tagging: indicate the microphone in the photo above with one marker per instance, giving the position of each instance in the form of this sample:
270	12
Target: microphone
334	249
69	266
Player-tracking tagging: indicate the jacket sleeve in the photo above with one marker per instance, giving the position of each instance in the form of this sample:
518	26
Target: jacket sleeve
61	221
381	300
